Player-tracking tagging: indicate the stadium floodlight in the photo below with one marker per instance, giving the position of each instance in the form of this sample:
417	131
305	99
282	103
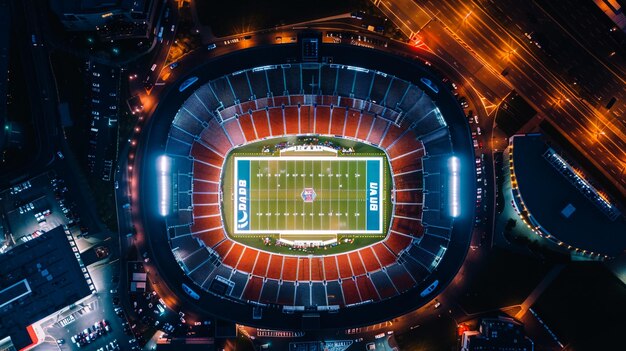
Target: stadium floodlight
163	168
453	164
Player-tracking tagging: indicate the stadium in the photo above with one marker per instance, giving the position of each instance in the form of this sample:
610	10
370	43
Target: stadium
287	187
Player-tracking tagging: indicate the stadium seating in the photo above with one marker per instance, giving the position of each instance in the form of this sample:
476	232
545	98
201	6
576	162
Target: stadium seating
262	263
338	118
365	125
277	125
290	268
330	268
378	109
378	130
356	263
261	125
351	123
252	292
367	291
275	267
350	292
344	266
248	258
321	119
245	121
233	129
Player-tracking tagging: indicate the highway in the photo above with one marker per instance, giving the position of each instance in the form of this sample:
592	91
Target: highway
597	134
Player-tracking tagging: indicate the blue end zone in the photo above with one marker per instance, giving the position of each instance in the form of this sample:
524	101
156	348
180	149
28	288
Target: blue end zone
373	195
242	211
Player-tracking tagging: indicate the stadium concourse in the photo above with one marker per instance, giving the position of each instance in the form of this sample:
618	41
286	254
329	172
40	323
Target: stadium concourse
255	94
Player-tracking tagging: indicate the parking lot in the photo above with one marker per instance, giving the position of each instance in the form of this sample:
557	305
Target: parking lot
35	206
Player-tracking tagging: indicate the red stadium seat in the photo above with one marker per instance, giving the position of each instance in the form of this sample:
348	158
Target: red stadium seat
247	106
376	135
396	242
355	262
215	137
412	227
367	290
292	120
245	121
223	248
384	255
317	269
408	181
259	118
281	100
364	126
352	123
346	102
262	263
414	211
207	222
289	268
207	155
407	162
234	131
199	198
276	121
401	279
369	259
337	120
350	292
296	99
306	119
211	237
410	196
304	269
232	257
322	119
206	210
248	258
392	134
253	289
330	268
329	100
206	172
204	186
275	268
406	143
344	266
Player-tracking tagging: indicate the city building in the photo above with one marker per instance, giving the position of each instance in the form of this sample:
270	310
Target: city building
112	19
497	334
556	201
37	279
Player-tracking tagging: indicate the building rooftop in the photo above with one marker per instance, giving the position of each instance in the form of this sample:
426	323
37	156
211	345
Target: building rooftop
37	279
563	204
501	333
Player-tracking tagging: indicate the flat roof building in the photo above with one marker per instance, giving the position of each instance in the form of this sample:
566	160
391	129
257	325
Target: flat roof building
557	202
38	279
497	334
132	18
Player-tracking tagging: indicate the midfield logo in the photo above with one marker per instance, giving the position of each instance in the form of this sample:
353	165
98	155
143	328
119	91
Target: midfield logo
308	195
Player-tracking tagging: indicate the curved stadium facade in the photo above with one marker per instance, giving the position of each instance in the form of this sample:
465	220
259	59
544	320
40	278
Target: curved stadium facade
421	243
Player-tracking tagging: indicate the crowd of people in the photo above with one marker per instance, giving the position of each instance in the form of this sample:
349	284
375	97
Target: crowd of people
307	141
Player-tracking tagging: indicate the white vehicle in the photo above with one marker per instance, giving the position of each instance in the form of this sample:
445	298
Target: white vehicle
153	67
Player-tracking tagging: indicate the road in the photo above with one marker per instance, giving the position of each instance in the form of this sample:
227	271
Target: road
497	47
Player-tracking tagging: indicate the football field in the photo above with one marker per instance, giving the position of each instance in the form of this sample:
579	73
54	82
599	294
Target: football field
308	195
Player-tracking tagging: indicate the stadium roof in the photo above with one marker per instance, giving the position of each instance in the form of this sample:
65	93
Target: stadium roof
38	278
559	206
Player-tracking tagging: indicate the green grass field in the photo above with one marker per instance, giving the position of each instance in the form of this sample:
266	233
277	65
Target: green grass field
275	205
